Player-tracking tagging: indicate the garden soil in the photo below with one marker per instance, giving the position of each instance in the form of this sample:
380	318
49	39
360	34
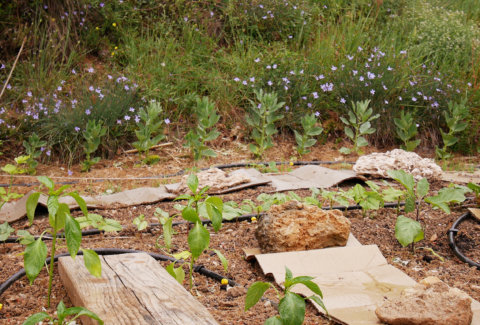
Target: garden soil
227	306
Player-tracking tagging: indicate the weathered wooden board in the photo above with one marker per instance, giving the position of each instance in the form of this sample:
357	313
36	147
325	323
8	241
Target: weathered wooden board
133	289
475	213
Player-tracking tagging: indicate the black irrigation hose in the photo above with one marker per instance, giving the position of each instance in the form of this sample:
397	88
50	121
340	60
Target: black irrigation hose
451	240
117	251
224	166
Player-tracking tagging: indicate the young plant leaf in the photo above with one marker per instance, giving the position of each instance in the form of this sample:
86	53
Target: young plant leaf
92	262
37	318
34	258
408	231
192	183
319	302
422	187
73	235
177	273
5	231
254	293
274	320
80	201
32	202
46	181
189	214
198	240
222	259
292	309
214	207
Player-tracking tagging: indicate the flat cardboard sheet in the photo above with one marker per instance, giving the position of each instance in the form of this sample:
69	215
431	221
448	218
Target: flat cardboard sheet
353	280
310	176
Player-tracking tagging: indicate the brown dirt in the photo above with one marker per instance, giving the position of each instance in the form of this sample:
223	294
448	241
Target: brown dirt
22	299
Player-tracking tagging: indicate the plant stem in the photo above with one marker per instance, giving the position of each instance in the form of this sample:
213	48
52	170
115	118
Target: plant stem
50	272
190	273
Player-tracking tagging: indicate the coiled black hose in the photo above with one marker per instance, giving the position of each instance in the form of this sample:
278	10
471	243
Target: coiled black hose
451	240
117	251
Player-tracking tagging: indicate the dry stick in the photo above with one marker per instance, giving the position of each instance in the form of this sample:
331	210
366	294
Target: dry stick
154	147
13	67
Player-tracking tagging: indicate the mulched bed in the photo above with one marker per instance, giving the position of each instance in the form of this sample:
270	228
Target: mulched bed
21	300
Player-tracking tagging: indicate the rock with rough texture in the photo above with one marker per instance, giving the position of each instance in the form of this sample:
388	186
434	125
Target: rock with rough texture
293	226
377	164
214	178
429	303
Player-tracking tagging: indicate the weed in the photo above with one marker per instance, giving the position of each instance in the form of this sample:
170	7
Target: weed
407	130
93	135
310	130
150	131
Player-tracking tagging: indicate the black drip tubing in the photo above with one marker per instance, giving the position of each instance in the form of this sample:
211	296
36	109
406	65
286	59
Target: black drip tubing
117	251
451	240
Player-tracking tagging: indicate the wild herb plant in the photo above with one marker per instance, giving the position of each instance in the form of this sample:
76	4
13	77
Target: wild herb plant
32	148
150	131
261	118
357	125
140	222
455	119
291	306
93	135
17	169
63	316
199	204
310	130
407	130
205	130
59	218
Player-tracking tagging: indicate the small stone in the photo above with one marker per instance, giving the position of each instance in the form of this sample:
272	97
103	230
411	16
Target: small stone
432	302
234	292
293	226
433	238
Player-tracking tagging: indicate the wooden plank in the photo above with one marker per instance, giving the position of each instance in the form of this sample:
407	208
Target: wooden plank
133	289
475	213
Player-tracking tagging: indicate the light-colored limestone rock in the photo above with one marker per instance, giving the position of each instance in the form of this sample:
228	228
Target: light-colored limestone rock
293	226
377	164
432	302
215	178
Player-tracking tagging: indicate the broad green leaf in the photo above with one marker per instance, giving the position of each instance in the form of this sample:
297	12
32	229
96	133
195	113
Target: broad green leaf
25	237
92	262
5	231
59	191
61	312
60	218
46	181
111	225
52	205
222	259
403	178
254	293
9	169
391	194
274	320
177	273
345	151
474	187
189	214
88	313
408	231
32	202
80	201
34	258
185	255
362	142
292	309
192	182
319	301
409	204
198	240
73	235
214	207
364	128
306	281
36	318
349	133
422	187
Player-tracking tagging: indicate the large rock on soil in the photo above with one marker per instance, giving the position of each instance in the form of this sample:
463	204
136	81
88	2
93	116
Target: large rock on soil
293	226
431	303
216	179
377	164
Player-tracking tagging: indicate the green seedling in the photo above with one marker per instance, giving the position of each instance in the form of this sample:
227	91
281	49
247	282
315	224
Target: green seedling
149	132
389	194
368	200
448	195
357	125
17	169
455	119
32	148
261	118
166	221
476	189
140	222
5	231
313	198
64	316
291	306
406	131
205	131
332	196
310	130
59	218
93	135
97	221
200	204
408	231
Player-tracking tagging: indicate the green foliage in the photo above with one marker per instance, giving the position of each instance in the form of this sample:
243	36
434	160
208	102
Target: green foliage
455	119
368	200
310	130
59	218
8	195
291	306
63	316
407	130
150	130
476	189
408	231
166	222
32	146
5	231
97	221
357	125
140	222
93	135
446	196
261	118
205	130
412	195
